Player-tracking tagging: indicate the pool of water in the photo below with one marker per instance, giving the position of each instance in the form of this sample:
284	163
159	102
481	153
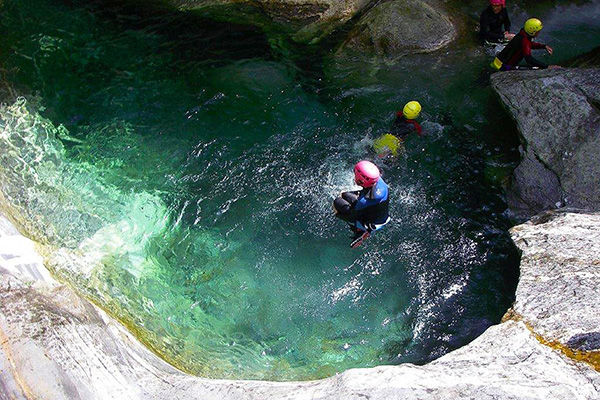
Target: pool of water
180	171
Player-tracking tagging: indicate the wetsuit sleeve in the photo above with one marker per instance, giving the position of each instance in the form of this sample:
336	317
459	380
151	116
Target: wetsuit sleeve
526	49
506	21
484	28
359	210
418	128
535	45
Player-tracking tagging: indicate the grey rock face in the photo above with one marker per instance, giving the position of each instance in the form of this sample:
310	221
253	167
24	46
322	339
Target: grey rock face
389	28
534	187
400	26
558	115
310	20
56	345
558	288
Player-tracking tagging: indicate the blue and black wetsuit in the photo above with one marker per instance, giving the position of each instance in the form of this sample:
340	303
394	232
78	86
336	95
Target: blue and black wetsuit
367	208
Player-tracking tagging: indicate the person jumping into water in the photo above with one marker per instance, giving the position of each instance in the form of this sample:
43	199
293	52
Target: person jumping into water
404	124
494	25
520	48
365	210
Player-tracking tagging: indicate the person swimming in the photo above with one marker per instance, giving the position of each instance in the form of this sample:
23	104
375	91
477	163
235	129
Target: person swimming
405	123
365	210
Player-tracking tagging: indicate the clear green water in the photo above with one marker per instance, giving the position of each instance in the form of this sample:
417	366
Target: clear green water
180	172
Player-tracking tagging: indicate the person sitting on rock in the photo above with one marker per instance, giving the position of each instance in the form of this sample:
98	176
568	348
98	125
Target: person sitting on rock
404	124
494	24
519	48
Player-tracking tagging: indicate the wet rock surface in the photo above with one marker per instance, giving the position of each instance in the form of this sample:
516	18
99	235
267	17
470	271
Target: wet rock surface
401	26
558	116
388	27
57	345
308	20
558	288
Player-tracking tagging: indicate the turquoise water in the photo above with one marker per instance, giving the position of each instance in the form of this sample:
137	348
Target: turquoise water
180	173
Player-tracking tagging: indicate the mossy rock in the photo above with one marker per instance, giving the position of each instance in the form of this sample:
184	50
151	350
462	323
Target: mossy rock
305	21
400	26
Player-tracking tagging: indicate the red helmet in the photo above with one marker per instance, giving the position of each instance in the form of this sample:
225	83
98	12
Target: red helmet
498	3
366	174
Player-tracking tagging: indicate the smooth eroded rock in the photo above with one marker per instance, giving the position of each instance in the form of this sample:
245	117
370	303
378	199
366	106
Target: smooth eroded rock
400	26
559	285
56	345
558	116
308	20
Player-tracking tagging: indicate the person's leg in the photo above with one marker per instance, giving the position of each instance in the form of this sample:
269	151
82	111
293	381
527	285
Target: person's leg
343	209
350	197
344	206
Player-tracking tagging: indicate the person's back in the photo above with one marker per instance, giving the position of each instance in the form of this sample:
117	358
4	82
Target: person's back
403	126
372	206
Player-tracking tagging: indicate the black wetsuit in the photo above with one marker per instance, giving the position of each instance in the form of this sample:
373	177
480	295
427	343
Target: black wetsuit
520	48
403	127
490	25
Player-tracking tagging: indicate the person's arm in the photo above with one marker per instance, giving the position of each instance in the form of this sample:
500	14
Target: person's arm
506	20
359	209
526	49
484	29
418	128
537	46
399	118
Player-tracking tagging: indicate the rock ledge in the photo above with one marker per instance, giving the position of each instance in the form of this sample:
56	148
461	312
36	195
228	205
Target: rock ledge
56	345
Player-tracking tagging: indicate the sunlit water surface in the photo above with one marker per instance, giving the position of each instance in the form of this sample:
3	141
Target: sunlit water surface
180	173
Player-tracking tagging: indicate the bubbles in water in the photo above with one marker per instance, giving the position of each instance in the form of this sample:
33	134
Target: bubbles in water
192	197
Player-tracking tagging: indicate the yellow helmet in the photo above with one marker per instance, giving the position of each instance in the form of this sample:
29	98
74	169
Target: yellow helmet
411	110
532	26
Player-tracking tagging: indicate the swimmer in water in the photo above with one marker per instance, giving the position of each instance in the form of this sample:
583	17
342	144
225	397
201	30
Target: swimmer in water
404	124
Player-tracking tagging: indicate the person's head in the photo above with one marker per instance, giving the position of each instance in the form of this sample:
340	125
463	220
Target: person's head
497	5
366	174
411	110
533	26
